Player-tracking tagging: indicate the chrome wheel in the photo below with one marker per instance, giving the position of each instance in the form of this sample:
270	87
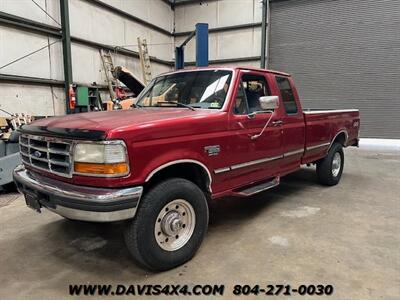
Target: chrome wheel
175	225
336	164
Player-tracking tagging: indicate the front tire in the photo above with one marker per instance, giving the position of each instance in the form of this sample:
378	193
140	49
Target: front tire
169	225
330	168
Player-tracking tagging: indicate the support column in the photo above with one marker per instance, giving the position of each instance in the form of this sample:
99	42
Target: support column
179	58
201	45
66	45
263	33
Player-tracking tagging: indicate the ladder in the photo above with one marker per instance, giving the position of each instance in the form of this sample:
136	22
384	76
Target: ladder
108	67
144	60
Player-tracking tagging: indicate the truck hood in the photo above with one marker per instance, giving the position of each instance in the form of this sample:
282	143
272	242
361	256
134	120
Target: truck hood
129	79
119	120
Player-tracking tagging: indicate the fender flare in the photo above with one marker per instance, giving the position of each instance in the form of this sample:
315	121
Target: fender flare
337	134
179	161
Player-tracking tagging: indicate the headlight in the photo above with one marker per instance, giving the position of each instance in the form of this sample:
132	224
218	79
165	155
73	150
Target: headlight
107	159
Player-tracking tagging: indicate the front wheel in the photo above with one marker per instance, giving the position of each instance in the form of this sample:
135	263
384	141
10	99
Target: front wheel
169	225
330	168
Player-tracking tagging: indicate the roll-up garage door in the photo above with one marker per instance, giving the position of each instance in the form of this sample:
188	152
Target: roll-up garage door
342	54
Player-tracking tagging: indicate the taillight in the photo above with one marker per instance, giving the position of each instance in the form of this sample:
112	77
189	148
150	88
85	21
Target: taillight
72	97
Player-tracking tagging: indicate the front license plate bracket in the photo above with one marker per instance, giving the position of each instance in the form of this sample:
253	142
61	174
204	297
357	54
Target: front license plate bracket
32	201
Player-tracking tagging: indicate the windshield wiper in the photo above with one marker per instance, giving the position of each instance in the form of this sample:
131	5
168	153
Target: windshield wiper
178	104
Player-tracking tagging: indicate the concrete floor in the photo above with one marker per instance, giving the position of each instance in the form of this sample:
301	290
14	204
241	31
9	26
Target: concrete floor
300	232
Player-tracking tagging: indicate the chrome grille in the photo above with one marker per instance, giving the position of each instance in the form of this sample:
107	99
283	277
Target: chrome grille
46	153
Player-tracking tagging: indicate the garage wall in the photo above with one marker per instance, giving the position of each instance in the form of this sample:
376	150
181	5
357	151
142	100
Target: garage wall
88	21
342	54
99	24
105	27
14	43
231	45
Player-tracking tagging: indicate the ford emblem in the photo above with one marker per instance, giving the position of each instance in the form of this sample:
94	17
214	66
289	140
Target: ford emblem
37	154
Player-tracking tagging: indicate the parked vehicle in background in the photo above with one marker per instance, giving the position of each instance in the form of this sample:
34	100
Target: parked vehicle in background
193	137
9	148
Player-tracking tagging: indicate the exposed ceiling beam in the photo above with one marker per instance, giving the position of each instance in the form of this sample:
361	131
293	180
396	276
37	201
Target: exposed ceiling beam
170	3
29	25
222	28
185	2
7	78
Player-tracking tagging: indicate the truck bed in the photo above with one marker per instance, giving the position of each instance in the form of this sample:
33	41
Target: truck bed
323	126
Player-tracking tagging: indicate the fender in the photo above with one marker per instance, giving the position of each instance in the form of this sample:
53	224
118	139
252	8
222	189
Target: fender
178	161
337	134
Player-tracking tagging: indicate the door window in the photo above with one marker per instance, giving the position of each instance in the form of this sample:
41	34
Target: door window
250	89
240	107
287	95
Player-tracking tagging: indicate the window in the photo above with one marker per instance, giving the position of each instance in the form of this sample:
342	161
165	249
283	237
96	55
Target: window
287	95
240	107
251	88
199	89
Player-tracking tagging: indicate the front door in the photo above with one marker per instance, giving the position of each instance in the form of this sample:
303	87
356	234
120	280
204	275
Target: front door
252	157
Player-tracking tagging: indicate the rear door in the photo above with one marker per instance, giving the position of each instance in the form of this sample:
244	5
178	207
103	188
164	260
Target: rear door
252	159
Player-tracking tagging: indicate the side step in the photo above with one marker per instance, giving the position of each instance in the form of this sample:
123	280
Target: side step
255	189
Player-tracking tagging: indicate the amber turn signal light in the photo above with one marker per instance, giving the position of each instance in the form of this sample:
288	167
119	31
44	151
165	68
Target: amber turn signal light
105	169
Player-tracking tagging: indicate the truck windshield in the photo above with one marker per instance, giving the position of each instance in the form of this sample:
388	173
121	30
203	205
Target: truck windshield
197	89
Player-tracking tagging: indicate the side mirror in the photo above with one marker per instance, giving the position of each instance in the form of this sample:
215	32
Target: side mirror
269	102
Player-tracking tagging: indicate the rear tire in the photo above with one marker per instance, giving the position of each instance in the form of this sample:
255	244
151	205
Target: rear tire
330	168
169	225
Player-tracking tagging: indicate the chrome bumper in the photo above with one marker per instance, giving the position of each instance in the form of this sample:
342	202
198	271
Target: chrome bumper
79	202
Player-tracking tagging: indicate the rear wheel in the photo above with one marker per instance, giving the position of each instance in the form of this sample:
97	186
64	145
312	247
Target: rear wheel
330	168
169	225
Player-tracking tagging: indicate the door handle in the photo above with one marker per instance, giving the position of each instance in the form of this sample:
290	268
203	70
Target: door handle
277	122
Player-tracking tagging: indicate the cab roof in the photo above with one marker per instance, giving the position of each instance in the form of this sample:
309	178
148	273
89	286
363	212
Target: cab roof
263	70
233	68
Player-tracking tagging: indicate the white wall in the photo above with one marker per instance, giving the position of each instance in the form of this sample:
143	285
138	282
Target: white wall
222	45
15	43
154	11
87	65
97	24
105	27
89	22
217	13
27	9
100	25
47	63
32	100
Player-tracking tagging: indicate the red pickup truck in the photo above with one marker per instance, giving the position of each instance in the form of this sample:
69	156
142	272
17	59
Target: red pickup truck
192	136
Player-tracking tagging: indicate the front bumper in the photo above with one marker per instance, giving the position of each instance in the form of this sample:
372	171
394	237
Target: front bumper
79	202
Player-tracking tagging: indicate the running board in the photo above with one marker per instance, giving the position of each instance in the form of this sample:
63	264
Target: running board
255	189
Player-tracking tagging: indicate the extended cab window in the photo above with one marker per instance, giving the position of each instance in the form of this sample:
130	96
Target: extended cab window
198	89
251	88
287	95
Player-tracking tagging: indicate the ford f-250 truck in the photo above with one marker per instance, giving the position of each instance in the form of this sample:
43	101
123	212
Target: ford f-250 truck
192	136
